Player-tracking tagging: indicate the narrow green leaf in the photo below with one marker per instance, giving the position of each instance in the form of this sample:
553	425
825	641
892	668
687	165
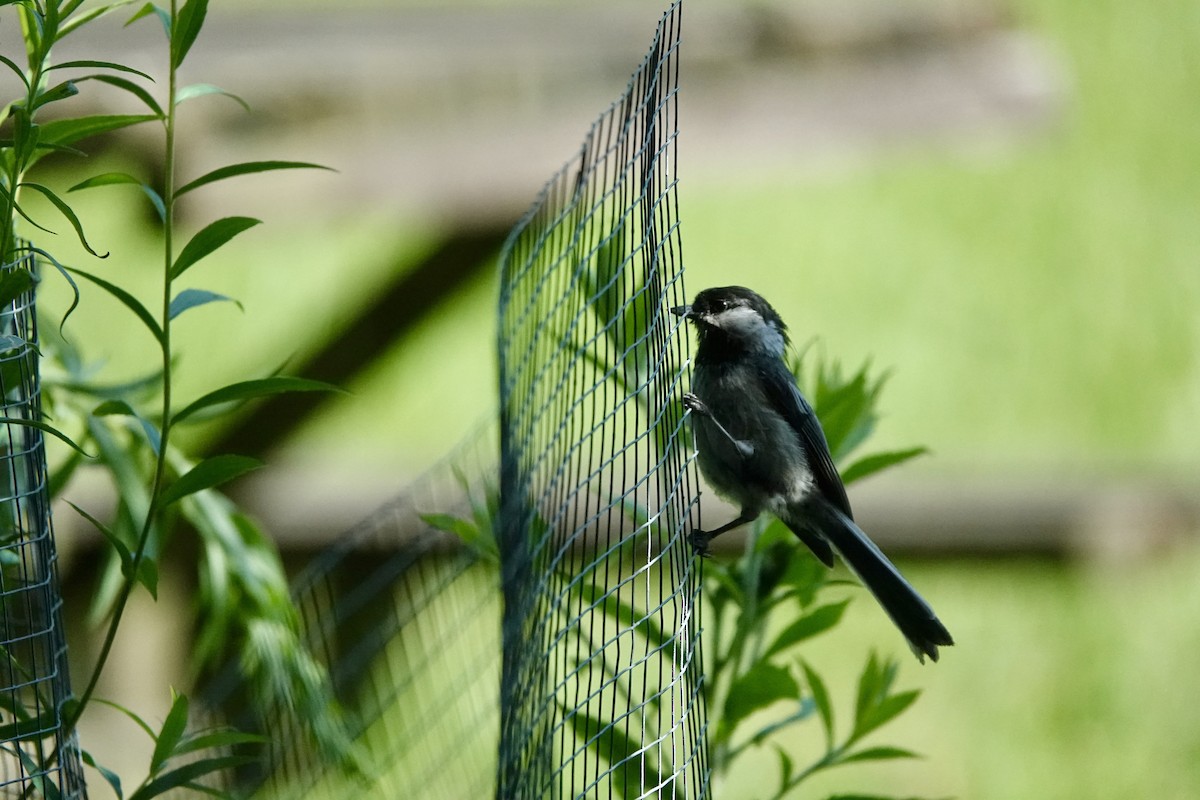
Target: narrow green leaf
122	549
190	298
141	723
87	64
66	211
471	534
34	728
172	731
55	93
820	697
186	774
250	390
66	276
818	621
128	300
121	408
187	27
248	168
786	769
113	779
203	89
208	473
10	342
114	178
45	428
132	88
887	710
20	73
163	15
221	737
13	284
68	131
38	776
871	464
209	239
761	685
878	754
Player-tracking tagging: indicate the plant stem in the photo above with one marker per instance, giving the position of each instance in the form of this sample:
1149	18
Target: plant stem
160	461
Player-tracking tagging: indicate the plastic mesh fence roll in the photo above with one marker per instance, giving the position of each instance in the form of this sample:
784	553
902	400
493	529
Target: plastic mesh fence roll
34	682
601	675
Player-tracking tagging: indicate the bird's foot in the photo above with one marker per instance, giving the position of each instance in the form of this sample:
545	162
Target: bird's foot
693	403
699	541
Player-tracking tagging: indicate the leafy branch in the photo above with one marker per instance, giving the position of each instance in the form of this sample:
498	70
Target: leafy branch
129	428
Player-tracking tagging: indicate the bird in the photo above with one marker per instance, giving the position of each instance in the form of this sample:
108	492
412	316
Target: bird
760	445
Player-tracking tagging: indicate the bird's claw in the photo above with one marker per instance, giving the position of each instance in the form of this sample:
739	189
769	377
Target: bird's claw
699	541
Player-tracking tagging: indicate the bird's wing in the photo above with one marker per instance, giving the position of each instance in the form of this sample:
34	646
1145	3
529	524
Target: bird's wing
785	396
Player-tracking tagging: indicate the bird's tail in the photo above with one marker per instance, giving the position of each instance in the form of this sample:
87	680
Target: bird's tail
908	610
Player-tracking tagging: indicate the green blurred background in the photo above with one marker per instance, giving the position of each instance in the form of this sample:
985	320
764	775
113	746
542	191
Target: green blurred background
1022	251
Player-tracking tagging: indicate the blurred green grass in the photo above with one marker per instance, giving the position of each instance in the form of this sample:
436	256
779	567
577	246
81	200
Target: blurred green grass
1069	681
1036	296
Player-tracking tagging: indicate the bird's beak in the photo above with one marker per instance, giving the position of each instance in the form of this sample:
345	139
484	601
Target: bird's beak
682	311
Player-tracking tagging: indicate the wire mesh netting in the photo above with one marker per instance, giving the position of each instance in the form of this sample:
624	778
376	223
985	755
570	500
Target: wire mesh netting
524	624
601	689
34	682
406	620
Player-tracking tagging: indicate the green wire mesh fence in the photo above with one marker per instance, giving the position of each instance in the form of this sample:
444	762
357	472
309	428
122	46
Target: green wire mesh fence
601	691
525	624
35	756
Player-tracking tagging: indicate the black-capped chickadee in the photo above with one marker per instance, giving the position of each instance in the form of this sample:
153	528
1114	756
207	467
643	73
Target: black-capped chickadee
760	445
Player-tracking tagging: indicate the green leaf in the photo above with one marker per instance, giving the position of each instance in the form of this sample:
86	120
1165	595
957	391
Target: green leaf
20	73
248	168
128	300
55	93
208	473
114	178
132	88
188	23
45	428
871	464
38	776
762	685
249	390
818	621
28	729
186	774
13	284
786	768
884	712
209	239
64	132
172	731
203	89
86	64
141	723
190	298
163	15
66	211
878	754
113	779
122	549
820	696
121	408
221	737
472	535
